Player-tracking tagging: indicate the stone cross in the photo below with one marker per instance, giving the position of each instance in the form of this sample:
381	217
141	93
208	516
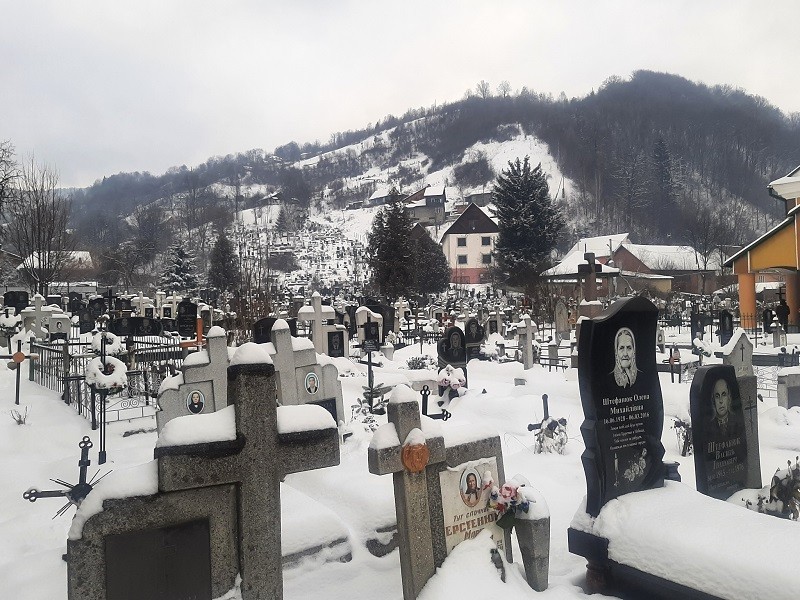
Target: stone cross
260	457
401	307
140	303
36	317
414	528
319	316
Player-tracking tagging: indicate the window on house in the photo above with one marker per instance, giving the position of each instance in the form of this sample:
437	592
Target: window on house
462	241
486	259
486	241
462	259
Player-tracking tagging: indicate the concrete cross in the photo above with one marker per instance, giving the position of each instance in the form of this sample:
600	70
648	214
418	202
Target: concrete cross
414	527
140	303
37	316
319	316
256	461
526	330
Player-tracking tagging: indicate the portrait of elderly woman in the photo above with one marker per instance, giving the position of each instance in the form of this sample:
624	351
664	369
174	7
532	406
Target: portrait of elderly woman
624	358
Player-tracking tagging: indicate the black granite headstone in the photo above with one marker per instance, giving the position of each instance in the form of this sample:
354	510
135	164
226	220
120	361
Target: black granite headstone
336	344
149	312
86	320
75	304
452	347
725	327
166	312
622	403
262	328
18	299
121	327
372	336
492	326
387	312
169	325
136	326
473	338
718	432
187	318
97	306
696	322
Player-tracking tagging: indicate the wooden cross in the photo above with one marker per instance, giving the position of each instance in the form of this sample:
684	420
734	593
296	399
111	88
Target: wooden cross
16	363
414	527
260	457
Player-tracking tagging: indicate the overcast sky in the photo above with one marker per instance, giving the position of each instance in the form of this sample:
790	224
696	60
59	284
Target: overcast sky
98	87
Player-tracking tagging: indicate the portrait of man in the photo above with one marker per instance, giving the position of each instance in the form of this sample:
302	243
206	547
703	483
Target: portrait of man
195	402
470	487
726	422
624	358
312	383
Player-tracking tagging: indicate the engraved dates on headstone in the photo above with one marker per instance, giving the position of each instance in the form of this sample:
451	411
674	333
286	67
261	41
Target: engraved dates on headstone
622	402
718	432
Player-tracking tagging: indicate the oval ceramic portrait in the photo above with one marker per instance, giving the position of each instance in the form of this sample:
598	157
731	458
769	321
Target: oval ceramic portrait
195	402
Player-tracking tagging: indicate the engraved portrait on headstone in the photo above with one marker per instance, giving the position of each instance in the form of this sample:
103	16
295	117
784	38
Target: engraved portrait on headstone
624	358
336	344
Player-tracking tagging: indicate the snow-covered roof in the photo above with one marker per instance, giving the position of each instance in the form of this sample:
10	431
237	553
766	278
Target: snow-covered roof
601	245
380	193
569	266
434	190
787	186
671	258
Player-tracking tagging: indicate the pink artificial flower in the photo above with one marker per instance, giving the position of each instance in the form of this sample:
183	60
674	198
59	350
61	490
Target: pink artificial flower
508	491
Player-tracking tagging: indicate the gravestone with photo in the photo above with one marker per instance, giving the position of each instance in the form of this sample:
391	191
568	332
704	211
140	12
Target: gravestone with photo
59	327
738	353
97	306
202	385
718	432
75	302
440	498
622	403
474	336
217	500
452	349
135	326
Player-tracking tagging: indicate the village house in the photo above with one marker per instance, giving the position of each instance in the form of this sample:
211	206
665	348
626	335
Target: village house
427	206
468	244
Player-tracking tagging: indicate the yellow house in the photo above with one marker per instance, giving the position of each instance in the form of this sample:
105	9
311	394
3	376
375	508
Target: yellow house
776	249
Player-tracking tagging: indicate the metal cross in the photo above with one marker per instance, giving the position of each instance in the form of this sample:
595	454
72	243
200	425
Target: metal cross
74	493
426	392
546	409
16	362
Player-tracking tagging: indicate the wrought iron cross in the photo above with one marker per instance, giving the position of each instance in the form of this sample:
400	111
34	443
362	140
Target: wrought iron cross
426	392
546	409
74	493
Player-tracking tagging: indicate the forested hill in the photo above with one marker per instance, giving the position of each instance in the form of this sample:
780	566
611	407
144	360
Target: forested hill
654	154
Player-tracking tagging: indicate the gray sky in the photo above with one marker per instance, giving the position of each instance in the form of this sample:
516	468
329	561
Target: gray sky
98	87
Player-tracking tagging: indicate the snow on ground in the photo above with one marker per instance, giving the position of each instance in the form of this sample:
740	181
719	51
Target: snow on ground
31	543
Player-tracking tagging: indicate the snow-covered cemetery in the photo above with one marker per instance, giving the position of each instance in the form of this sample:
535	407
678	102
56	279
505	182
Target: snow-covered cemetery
524	341
610	434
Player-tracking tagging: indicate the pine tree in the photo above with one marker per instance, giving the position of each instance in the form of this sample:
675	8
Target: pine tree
180	274
431	271
389	251
529	223
223	272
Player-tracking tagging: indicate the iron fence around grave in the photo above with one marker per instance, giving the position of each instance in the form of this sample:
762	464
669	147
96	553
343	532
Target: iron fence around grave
61	367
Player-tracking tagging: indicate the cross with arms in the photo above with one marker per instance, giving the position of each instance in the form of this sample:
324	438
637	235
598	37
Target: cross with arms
407	460
262	454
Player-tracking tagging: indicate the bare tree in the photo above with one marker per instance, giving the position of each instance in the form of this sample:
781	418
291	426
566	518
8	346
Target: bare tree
8	171
37	229
483	89
504	89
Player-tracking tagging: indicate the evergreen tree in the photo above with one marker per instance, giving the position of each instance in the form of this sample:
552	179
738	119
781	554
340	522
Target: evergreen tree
663	190
180	274
529	223
389	251
223	272
431	271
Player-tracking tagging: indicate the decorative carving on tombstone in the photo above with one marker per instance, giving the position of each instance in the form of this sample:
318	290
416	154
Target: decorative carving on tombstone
622	402
718	432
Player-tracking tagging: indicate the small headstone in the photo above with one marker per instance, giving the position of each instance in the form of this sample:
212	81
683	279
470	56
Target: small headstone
562	321
622	403
718	432
59	327
725	327
336	344
86	320
696	324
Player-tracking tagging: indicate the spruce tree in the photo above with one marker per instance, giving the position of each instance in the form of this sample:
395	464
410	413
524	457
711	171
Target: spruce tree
180	274
529	223
431	271
223	272
389	251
